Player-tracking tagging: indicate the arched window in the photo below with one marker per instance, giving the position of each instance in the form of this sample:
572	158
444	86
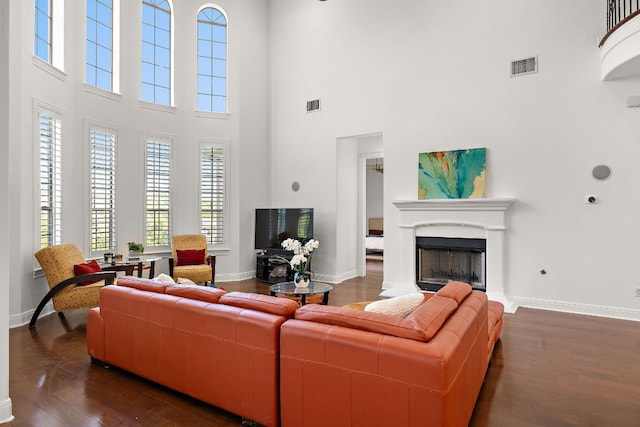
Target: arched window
156	51
212	61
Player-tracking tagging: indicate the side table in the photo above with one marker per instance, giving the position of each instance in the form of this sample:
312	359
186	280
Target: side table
133	263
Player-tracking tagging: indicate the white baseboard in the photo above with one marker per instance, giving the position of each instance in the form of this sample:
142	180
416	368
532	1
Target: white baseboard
576	308
333	279
21	319
5	411
235	277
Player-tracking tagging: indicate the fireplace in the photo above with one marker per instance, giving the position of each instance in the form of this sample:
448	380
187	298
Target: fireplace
440	260
466	219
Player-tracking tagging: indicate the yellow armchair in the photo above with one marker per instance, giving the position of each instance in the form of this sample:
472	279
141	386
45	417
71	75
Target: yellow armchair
64	285
189	259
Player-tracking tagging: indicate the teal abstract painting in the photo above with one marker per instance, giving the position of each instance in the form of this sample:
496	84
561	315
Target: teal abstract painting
456	174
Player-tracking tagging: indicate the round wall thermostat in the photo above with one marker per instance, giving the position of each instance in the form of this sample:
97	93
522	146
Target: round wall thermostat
601	172
295	186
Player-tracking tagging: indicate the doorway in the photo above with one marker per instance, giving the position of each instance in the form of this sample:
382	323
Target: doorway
353	153
374	210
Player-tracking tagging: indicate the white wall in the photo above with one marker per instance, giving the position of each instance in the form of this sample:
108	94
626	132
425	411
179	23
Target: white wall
428	76
435	76
245	130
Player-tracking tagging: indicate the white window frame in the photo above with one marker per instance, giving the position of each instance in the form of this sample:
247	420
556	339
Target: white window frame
56	33
115	50
224	146
42	109
226	59
171	61
148	138
102	128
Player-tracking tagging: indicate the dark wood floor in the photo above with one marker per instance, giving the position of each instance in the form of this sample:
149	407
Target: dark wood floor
550	369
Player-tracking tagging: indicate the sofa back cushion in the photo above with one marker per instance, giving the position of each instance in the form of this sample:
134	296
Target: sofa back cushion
421	325
197	292
431	315
143	284
455	290
265	303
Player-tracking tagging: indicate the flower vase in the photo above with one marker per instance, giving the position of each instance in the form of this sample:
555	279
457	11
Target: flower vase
300	280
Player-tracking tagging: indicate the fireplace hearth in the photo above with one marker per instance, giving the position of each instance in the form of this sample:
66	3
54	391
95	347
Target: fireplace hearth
440	260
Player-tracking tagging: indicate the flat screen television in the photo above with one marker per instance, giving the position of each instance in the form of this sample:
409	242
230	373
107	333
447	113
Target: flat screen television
273	226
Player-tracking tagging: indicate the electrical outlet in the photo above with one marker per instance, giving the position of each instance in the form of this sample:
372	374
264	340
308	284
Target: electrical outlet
590	199
638	292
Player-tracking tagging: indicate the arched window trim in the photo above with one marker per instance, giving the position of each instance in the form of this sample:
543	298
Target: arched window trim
211	114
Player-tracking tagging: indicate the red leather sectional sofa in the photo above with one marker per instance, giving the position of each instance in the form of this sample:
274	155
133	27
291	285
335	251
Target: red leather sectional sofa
371	369
270	361
221	348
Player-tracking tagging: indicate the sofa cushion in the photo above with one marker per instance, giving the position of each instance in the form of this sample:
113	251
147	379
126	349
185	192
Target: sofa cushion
431	315
360	319
421	325
143	284
495	322
455	290
401	306
265	303
197	292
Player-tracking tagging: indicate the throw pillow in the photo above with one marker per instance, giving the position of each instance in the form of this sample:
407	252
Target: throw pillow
87	268
190	256
185	281
401	306
164	278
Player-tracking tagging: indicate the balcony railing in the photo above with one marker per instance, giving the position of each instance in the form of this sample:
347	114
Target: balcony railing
619	12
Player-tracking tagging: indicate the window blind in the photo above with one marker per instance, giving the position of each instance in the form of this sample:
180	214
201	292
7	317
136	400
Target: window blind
103	191
158	193
50	180
212	194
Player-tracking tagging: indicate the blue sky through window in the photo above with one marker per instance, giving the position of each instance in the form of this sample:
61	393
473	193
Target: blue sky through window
212	61
99	66
42	25
156	52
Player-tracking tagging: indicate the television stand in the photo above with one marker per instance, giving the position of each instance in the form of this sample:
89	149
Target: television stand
272	268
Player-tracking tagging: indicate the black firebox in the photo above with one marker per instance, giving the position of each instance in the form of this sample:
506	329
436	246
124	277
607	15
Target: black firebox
440	260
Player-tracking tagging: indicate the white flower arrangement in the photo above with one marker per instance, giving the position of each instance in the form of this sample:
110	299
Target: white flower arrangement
301	259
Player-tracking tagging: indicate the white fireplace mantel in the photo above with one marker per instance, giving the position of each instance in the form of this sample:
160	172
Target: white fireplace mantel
454	204
466	218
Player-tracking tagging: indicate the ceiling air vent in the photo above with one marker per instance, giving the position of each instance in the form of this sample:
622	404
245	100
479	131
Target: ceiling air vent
313	105
525	66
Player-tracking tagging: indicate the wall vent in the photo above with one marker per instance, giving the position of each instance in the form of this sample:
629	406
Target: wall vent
525	66
313	105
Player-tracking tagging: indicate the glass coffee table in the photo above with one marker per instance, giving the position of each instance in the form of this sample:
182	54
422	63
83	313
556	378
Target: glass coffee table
314	288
